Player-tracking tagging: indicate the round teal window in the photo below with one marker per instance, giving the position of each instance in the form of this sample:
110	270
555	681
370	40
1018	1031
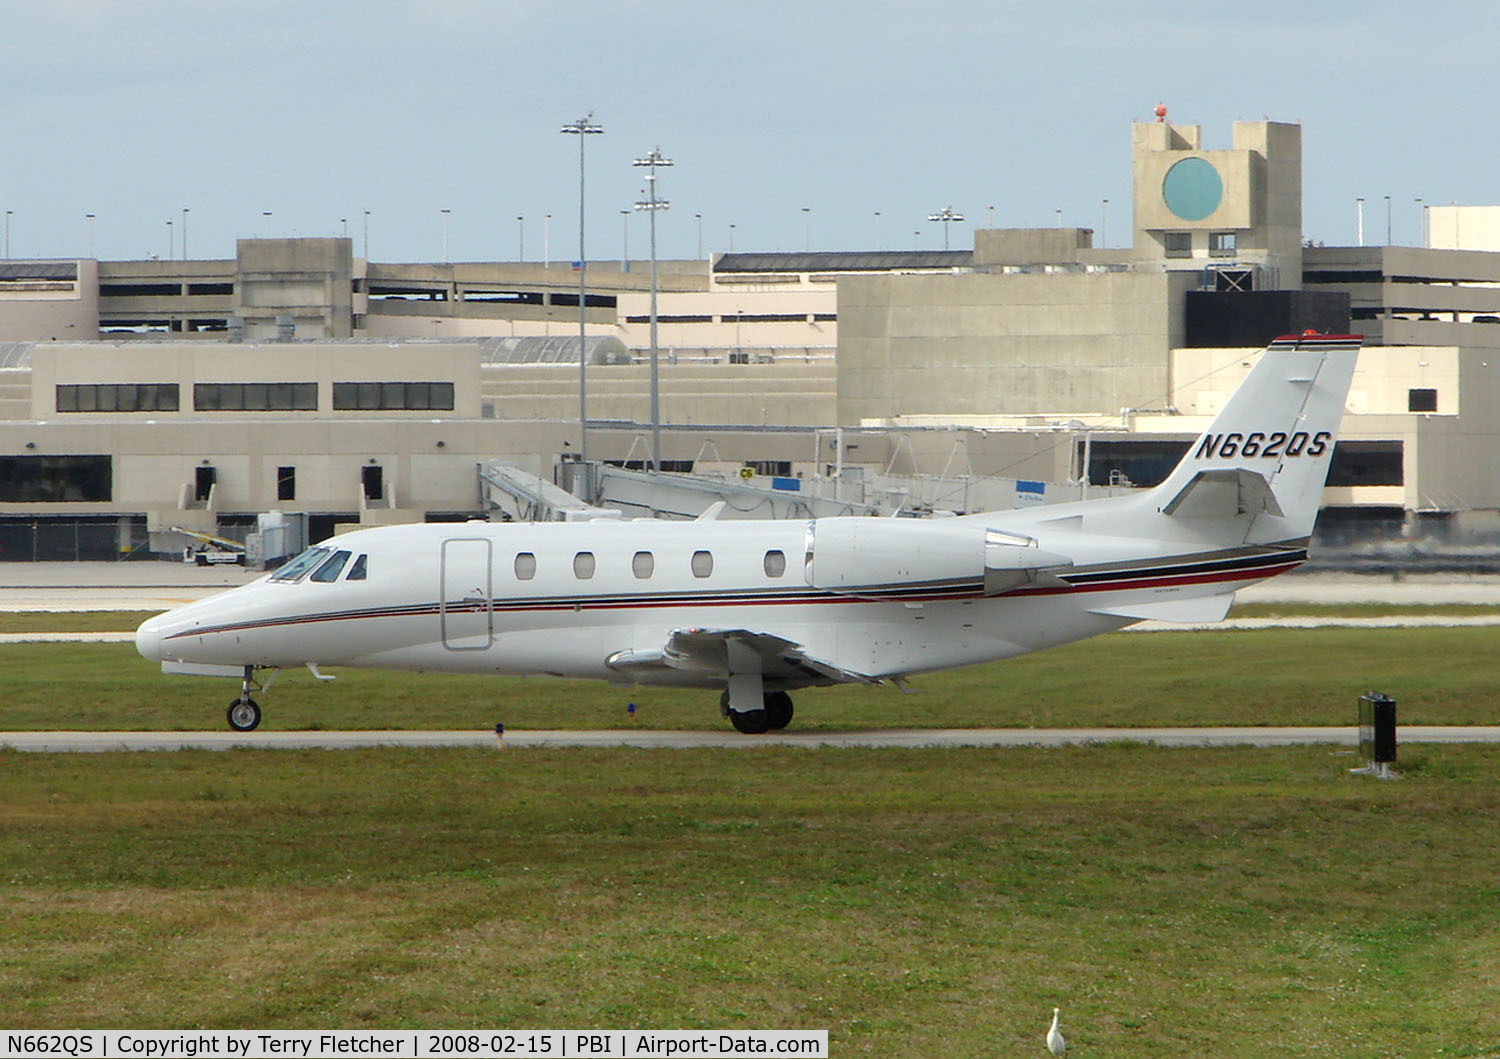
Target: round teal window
1192	189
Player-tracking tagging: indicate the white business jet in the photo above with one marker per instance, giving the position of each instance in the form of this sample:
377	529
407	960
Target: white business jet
760	608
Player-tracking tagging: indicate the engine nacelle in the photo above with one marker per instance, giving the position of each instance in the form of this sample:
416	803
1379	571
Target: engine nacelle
857	555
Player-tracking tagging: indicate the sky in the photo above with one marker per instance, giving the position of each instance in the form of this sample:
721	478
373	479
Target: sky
794	122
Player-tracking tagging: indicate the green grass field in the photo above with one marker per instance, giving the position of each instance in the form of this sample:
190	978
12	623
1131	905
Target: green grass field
1265	677
1229	902
916	903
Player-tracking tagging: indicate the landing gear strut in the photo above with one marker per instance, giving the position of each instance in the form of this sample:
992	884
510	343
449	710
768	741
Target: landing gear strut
243	713
775	715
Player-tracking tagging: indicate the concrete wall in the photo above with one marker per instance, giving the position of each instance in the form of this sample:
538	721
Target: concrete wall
48	310
785	392
986	344
1463	227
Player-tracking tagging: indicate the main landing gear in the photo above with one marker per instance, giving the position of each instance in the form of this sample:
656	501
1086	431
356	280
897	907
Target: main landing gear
243	713
775	715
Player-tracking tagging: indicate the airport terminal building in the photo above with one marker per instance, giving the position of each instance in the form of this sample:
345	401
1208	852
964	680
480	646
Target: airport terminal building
297	378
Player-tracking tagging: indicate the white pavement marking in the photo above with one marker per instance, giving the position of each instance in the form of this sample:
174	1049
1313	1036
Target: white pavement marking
1388	621
59	742
67	637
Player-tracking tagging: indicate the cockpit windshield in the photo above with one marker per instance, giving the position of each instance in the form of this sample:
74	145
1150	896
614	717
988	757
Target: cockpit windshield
329	571
298	568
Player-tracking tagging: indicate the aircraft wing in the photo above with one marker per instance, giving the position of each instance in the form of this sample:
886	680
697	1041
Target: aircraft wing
708	651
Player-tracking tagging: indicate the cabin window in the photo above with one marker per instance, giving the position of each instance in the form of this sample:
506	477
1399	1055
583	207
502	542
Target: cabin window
525	566
357	571
330	570
643	565
583	565
775	563
297	569
703	564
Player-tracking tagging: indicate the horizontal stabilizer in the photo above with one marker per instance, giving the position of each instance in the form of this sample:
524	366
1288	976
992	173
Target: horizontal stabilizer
1224	493
1183	611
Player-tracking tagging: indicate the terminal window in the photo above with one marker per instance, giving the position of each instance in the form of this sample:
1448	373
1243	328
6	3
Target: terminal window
117	397
392	396
255	397
56	479
1178	244
286	483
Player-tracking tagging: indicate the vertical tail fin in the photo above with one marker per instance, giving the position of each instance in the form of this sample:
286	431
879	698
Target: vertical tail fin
1264	459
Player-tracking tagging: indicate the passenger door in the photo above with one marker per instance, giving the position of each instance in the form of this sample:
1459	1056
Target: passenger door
466	606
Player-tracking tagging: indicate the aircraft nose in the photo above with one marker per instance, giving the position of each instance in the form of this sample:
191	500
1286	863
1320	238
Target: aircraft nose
148	639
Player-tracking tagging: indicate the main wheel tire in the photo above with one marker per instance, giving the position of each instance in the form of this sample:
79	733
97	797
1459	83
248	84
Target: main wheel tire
751	722
778	710
243	715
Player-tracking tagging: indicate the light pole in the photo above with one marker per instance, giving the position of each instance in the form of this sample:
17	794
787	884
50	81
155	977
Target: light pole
1104	224
184	232
731	238
367	235
1421	222
807	228
520	238
945	216
625	240
446	214
266	215
546	240
699	217
583	128
90	218
879	239
1359	222
651	162
7	233
1387	220
171	243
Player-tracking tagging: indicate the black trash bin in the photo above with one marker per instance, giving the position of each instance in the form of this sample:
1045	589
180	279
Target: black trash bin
1377	729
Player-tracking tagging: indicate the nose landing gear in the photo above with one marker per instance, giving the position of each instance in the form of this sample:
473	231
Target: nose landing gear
243	713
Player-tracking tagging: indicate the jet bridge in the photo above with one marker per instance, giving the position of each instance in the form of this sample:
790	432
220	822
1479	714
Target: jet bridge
659	494
525	497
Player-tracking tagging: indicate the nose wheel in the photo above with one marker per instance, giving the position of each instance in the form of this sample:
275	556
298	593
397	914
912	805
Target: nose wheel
243	713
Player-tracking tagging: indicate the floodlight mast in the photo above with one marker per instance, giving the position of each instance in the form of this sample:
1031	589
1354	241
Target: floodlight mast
947	217
583	128
651	162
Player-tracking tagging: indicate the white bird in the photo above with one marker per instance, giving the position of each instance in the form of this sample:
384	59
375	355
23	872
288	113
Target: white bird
1055	1043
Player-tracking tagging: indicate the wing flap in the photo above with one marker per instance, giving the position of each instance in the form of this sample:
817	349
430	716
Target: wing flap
720	653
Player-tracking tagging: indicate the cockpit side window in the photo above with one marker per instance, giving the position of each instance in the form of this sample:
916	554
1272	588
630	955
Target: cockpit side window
357	571
298	568
331	569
